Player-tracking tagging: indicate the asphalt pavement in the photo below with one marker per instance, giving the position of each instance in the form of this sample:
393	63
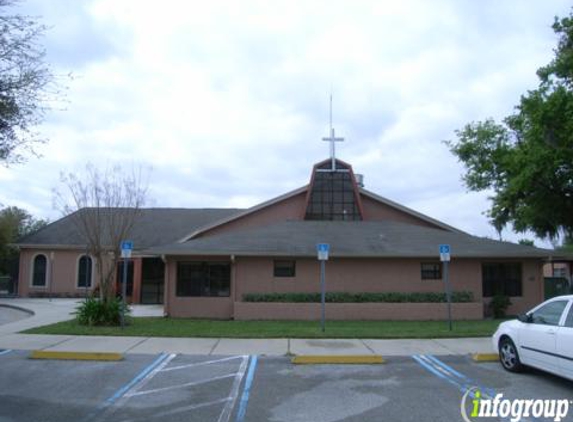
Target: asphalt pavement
247	380
243	388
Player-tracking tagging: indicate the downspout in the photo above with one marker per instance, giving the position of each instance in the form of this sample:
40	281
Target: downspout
166	287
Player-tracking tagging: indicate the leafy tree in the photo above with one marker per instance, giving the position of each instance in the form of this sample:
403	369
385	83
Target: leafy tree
526	242
566	245
26	82
15	223
527	160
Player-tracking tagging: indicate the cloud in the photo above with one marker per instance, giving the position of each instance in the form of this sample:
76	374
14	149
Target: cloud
228	101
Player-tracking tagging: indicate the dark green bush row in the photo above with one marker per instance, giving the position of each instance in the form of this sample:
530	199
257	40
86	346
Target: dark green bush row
93	311
346	297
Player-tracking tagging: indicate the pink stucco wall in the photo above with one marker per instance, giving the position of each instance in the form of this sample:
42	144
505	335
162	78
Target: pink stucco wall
62	272
255	275
289	209
293	208
377	211
354	275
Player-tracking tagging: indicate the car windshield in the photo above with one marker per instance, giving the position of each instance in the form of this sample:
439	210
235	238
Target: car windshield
549	314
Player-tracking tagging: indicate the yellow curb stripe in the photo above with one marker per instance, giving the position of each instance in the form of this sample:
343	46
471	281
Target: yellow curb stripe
485	357
46	354
341	359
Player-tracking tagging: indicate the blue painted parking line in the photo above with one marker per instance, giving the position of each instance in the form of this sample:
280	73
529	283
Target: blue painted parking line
104	407
426	365
447	367
247	390
137	379
444	371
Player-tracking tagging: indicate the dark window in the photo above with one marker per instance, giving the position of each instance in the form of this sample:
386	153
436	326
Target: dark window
285	268
203	279
85	271
333	195
549	314
40	271
431	271
501	278
569	320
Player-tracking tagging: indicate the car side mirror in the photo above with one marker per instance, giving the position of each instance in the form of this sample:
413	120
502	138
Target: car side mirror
526	318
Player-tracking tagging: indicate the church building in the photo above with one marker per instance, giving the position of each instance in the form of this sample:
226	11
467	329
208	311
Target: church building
235	263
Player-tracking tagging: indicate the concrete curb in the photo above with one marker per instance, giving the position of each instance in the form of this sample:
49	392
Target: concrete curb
46	354
337	359
18	308
485	357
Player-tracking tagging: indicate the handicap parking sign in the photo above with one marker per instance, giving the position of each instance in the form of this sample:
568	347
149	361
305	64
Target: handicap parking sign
322	250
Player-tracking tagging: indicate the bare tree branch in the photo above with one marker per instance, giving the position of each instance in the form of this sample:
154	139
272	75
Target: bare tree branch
104	205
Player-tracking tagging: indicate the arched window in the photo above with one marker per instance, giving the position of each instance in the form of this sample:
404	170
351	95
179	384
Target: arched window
84	271
40	271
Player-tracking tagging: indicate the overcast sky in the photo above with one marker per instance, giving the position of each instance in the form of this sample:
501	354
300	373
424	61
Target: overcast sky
227	102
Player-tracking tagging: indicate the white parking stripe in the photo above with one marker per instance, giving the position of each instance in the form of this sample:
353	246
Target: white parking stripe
208	362
149	376
175	387
228	409
182	409
114	407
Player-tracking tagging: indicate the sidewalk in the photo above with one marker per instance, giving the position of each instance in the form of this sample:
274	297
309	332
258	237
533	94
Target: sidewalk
46	312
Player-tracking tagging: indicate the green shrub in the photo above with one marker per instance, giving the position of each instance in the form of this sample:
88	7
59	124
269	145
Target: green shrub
93	311
347	297
499	305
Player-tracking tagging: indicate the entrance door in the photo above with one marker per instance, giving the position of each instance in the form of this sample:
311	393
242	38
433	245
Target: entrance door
152	281
556	286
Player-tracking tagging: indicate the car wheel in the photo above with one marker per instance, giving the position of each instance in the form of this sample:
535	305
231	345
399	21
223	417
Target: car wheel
508	355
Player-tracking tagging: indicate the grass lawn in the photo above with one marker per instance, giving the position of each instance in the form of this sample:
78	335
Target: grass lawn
172	327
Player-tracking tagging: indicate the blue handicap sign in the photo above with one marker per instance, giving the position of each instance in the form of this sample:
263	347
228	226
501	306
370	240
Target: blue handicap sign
127	245
322	247
444	249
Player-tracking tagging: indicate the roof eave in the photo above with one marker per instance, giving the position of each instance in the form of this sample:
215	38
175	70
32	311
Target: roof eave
48	246
338	256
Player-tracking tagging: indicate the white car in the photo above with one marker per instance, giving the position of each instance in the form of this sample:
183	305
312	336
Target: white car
541	338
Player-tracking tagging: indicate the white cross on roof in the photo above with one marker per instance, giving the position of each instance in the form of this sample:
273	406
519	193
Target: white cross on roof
332	139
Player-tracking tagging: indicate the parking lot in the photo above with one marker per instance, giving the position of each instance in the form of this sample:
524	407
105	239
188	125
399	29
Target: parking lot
174	387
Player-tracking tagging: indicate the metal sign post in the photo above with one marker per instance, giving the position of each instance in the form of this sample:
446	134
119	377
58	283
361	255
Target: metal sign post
445	258
322	250
126	248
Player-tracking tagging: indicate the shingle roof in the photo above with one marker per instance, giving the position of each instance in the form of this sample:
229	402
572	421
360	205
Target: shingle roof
155	226
349	239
